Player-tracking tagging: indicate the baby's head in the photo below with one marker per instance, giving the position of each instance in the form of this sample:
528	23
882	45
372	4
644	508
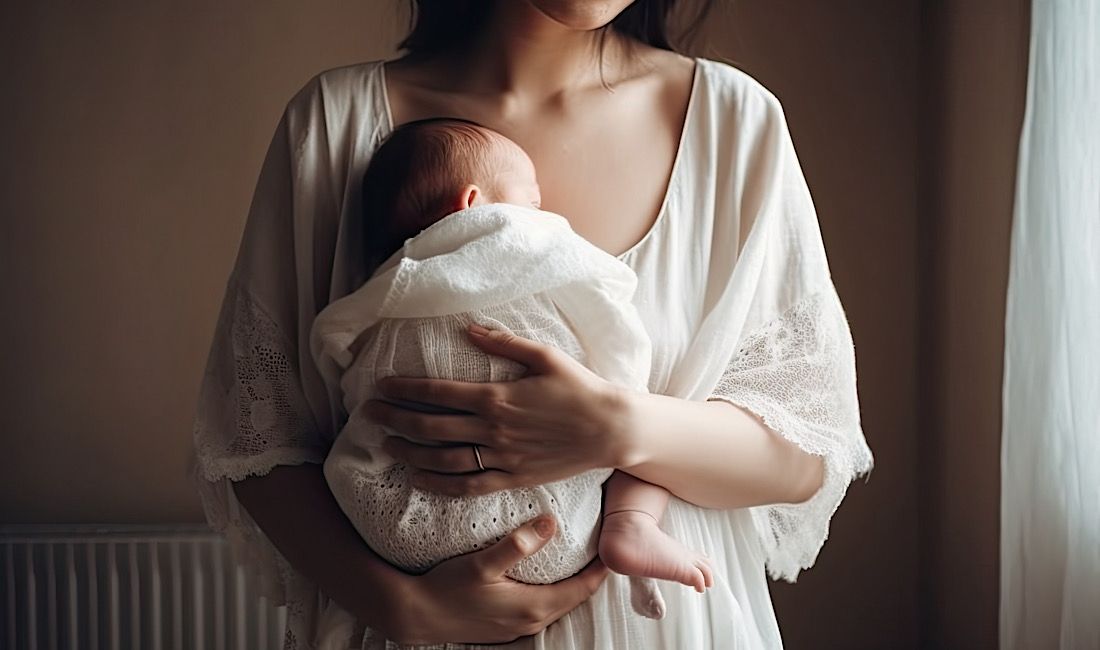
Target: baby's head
427	169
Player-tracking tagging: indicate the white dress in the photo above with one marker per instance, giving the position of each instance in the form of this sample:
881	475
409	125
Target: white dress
733	288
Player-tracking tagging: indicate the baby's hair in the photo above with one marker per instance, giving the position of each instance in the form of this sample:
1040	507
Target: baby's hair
415	175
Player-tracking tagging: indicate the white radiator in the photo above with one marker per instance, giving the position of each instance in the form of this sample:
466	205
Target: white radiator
123	587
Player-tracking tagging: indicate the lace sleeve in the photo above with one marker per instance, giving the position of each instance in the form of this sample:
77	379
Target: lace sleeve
797	373
251	413
260	404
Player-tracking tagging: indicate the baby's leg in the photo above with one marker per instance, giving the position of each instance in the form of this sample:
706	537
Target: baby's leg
632	542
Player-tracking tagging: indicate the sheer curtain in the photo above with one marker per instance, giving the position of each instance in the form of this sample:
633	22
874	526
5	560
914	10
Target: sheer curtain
1050	494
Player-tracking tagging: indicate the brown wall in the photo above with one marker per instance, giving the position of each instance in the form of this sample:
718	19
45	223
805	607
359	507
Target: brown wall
134	132
974	86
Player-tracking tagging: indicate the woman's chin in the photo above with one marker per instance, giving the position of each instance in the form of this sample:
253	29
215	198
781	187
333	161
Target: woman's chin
581	15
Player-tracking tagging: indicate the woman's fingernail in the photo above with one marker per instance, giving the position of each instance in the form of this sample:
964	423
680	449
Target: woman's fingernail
478	330
544	528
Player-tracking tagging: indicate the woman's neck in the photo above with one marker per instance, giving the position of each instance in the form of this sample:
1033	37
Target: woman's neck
520	55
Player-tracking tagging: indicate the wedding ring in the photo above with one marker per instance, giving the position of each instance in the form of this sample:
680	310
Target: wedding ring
477	455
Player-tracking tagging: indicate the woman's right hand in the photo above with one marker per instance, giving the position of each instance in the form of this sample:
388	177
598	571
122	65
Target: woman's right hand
468	599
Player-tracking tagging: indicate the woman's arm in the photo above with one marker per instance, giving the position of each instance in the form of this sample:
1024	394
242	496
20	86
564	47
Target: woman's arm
467	598
713	454
561	419
296	510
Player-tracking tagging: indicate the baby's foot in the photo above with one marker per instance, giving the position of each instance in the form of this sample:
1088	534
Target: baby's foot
631	543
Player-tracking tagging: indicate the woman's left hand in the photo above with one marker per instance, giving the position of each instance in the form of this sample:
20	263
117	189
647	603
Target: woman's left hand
557	421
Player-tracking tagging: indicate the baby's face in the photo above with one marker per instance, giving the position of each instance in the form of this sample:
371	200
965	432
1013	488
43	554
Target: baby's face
515	182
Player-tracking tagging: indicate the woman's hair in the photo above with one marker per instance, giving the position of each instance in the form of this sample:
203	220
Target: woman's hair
433	23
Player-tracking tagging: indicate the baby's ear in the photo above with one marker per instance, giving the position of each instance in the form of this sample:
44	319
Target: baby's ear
470	196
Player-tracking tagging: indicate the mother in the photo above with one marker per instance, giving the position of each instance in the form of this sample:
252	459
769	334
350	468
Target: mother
685	168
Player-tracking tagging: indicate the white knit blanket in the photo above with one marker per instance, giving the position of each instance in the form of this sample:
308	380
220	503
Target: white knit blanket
503	267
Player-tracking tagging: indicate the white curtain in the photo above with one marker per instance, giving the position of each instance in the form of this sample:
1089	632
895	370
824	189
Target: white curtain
1050	462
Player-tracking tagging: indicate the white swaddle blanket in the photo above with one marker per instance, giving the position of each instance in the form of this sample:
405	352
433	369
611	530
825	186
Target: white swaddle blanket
504	267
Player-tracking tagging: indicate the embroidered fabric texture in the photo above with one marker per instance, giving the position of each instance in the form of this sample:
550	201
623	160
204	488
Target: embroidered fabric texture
797	374
252	416
416	530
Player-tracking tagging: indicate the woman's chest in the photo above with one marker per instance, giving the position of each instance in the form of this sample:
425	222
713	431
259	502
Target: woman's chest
602	176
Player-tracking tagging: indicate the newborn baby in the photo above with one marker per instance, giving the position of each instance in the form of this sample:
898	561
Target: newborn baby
451	212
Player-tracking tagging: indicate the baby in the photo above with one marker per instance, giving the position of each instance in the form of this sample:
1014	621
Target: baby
452	217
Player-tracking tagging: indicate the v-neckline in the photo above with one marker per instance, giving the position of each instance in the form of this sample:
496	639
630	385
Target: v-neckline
674	174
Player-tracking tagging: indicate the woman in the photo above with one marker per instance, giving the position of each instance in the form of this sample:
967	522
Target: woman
682	166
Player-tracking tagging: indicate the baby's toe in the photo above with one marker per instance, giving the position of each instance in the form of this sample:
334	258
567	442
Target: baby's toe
706	573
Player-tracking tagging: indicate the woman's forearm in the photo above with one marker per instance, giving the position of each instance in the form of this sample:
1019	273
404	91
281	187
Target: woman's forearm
297	512
713	454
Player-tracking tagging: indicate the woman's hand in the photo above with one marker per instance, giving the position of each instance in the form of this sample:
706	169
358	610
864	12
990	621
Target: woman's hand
559	420
468	599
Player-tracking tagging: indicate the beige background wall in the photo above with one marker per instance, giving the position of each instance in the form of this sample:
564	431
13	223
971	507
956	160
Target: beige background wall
133	133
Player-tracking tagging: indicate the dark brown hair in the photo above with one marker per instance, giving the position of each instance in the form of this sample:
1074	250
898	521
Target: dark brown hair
434	24
414	176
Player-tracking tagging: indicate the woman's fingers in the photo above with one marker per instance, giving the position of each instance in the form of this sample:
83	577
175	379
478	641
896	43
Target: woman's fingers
459	459
498	559
426	426
539	358
461	395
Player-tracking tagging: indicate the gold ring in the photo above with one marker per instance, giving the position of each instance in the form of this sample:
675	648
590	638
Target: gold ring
477	455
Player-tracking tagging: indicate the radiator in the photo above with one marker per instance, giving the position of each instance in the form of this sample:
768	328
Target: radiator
123	587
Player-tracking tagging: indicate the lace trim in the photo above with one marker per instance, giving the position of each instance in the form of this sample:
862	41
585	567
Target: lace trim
240	468
797	374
